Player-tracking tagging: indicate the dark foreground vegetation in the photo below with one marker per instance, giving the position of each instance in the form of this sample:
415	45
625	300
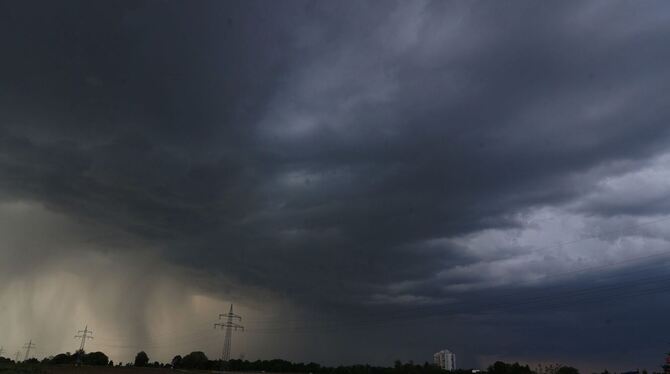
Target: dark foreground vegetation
199	361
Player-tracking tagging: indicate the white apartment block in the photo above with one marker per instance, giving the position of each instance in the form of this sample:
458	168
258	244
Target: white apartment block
445	359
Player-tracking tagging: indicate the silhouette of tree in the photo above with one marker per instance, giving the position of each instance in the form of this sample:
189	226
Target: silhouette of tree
142	359
96	359
195	360
63	358
176	361
500	367
567	370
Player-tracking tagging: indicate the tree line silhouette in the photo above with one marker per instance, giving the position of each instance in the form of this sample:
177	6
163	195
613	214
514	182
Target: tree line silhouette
197	360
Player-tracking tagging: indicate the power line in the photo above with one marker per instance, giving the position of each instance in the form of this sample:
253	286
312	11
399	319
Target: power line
437	309
581	296
584	296
575	271
173	343
166	335
557	245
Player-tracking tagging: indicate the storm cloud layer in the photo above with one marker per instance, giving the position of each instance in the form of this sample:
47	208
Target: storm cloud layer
406	164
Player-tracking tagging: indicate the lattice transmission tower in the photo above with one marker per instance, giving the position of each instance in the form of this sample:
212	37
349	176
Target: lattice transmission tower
28	346
83	335
228	327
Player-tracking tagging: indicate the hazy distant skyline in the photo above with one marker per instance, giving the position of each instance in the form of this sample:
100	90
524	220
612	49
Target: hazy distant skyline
366	181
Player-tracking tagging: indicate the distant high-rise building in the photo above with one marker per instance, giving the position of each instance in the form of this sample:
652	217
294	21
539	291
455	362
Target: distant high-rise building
445	359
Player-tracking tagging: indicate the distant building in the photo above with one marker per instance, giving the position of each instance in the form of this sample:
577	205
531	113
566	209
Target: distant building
445	359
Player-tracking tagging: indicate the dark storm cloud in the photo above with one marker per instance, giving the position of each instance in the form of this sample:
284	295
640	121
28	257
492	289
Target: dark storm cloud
332	152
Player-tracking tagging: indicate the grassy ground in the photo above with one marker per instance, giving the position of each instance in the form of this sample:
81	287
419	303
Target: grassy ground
20	369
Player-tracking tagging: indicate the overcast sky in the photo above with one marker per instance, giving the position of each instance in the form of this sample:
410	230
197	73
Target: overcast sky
366	181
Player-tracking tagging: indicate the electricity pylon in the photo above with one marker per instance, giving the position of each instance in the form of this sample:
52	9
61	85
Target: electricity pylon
229	325
83	334
28	346
1	350
16	358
